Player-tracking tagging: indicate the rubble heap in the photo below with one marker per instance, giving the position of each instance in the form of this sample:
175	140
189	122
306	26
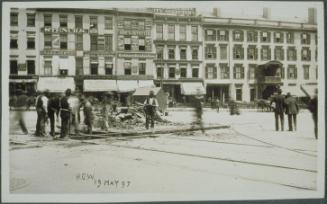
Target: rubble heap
125	118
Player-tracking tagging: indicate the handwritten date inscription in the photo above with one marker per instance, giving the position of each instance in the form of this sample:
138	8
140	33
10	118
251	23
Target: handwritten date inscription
103	182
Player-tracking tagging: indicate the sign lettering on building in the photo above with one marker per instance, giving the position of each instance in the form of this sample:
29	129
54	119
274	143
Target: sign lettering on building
63	30
58	52
134	32
137	55
98	52
174	11
22	67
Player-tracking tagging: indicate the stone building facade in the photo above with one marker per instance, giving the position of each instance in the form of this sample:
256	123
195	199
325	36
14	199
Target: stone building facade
97	50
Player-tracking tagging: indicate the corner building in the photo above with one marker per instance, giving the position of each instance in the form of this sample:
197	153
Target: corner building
248	59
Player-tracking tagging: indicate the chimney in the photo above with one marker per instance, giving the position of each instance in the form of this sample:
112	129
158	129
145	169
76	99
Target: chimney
312	15
266	13
216	12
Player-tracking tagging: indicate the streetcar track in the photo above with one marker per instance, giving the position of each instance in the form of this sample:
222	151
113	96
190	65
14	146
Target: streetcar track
215	158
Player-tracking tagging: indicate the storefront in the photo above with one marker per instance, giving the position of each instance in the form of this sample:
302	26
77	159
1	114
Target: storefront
220	91
56	84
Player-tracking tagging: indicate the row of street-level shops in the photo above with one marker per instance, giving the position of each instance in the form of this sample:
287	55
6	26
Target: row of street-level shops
176	91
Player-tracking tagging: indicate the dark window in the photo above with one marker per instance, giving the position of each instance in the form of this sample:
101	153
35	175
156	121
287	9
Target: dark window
30	20
13	19
127	43
252	94
47	41
159	72
211	71
141	44
142	68
79	66
279	53
210	52
107	22
78	21
290	37
183	72
223	35
210	35
159	52
108	42
14	43
94	42
224	71
94	68
265	53
306	72
252	52
63	20
279	37
30	67
306	54
239	94
292	72
13	67
171	53
291	54
128	68
63	41
238	35
79	42
195	72
265	36
171	72
108	69
93	22
252	36
171	32
47	20
195	54
183	53
305	38
30	43
238	71
238	52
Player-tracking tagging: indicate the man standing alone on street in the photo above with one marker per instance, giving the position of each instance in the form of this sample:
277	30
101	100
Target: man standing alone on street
65	114
42	113
279	109
150	107
292	109
313	107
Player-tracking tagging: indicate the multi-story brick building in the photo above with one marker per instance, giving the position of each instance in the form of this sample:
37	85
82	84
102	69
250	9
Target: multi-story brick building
100	50
246	59
178	43
23	54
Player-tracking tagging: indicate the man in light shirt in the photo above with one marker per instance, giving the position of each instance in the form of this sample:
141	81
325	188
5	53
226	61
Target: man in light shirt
150	107
42	113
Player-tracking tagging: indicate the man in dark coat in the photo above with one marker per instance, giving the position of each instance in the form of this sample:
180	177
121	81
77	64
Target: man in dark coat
292	109
65	114
313	107
20	109
150	106
279	109
53	109
42	113
88	114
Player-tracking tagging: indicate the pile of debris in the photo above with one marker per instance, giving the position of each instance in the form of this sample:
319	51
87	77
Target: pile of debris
124	118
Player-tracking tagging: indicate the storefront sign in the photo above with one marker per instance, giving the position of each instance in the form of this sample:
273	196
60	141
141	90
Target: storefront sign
137	55
176	11
134	32
272	79
22	67
98	53
57	52
63	30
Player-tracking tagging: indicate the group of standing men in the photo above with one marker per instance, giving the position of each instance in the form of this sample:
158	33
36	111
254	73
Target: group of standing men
288	105
68	107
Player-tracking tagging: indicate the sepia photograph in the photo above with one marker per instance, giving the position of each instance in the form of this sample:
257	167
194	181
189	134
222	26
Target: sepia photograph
110	101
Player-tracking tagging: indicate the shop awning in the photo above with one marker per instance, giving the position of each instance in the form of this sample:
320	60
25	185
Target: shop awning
309	90
100	85
144	91
127	85
294	90
55	84
192	88
22	80
146	83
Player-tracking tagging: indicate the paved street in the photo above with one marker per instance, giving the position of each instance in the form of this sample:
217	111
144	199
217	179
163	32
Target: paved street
249	156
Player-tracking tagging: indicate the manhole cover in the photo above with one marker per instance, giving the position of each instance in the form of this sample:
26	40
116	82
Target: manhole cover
17	183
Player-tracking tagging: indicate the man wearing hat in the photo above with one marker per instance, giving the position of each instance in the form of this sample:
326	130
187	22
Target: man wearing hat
292	109
65	114
150	105
20	109
42	113
279	109
313	107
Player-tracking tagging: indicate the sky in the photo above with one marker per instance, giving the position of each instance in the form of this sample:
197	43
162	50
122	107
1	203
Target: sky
281	9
